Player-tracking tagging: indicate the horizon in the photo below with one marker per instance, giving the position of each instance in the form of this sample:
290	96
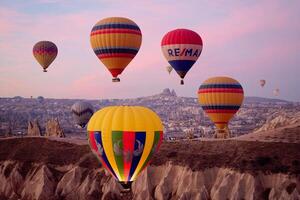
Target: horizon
80	99
248	41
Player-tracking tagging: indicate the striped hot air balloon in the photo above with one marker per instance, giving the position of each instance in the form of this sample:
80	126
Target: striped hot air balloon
220	98
45	52
181	48
124	138
82	112
116	41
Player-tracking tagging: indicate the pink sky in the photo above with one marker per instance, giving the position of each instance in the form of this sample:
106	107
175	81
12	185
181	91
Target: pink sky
245	40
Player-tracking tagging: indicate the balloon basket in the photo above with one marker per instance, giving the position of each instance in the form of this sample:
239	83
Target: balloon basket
181	82
116	79
126	187
44	70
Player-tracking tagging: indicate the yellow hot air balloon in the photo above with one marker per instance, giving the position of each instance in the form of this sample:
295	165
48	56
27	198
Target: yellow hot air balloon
124	139
221	98
116	41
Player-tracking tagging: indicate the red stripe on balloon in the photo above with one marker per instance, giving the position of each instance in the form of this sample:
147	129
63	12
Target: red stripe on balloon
115	72
181	36
108	31
213	90
220	111
92	141
128	148
114	55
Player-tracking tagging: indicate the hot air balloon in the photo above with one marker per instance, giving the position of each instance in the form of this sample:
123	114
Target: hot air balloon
40	99
82	112
276	92
181	48
169	69
221	98
262	82
124	138
45	52
116	41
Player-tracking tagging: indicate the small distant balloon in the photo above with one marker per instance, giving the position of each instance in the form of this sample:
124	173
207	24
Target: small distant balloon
169	69
45	52
40	99
82	112
276	92
262	82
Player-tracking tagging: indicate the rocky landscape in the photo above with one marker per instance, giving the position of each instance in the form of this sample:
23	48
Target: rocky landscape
49	168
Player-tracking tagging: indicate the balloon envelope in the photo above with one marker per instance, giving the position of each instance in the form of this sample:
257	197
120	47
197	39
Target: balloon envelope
124	138
116	41
45	52
181	48
169	69
82	112
276	92
262	82
220	98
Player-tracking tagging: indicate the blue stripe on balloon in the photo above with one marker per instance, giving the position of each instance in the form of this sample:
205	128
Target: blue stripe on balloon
139	136
233	85
182	65
115	50
97	136
221	107
115	26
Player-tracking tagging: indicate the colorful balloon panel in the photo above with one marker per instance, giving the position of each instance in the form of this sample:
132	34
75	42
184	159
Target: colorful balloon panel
116	41
124	139
220	98
181	48
45	52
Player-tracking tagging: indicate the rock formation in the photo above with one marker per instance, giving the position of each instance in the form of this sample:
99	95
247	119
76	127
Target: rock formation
40	168
169	181
280	119
34	128
53	128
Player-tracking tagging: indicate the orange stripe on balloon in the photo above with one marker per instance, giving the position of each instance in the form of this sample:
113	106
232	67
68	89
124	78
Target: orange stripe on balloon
220	111
214	90
114	55
109	31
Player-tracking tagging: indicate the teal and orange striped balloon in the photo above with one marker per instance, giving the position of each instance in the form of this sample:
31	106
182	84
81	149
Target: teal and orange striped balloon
220	98
124	138
116	41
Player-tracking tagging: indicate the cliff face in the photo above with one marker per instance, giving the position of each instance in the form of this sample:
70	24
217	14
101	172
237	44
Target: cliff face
280	119
169	181
40	168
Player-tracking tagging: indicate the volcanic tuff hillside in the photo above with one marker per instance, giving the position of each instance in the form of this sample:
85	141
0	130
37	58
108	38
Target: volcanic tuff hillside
179	114
40	168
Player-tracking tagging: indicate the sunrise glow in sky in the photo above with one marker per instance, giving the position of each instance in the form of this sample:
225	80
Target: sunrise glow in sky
247	40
